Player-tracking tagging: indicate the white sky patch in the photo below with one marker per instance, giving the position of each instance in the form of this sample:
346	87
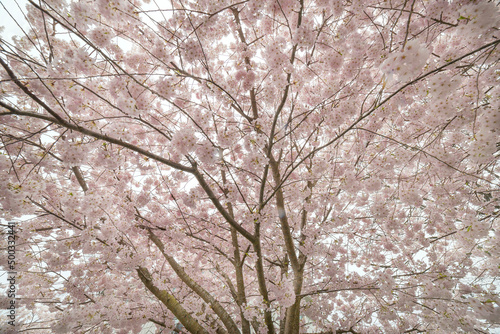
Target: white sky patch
13	23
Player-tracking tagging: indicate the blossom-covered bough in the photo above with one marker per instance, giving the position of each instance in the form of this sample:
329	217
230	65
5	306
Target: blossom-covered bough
255	166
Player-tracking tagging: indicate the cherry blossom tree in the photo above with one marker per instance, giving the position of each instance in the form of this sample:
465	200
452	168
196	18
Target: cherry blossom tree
254	166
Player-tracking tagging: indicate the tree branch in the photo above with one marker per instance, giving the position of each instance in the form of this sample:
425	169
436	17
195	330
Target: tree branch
171	303
198	289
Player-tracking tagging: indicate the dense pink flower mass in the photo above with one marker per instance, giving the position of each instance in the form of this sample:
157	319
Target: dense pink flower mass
255	166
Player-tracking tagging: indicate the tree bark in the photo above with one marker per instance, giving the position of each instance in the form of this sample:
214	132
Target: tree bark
171	303
198	289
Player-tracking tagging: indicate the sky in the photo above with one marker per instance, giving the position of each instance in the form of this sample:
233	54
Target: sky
10	12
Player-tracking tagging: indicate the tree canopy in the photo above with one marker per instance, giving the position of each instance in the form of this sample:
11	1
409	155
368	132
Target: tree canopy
254	166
